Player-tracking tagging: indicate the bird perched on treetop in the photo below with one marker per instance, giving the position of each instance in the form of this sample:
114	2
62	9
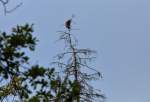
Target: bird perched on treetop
68	24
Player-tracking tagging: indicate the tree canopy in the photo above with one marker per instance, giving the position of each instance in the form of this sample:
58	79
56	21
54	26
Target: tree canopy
22	82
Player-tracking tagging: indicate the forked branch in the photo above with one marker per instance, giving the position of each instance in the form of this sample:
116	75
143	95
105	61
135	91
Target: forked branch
5	4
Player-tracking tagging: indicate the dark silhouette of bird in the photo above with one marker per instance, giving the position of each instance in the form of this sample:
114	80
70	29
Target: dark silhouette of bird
68	24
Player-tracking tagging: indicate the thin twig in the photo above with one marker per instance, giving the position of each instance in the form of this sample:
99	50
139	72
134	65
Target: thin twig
5	3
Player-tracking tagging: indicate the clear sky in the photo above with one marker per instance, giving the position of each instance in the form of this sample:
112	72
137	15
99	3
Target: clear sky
118	29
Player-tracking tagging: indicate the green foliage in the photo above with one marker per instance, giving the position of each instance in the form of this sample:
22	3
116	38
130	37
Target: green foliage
12	55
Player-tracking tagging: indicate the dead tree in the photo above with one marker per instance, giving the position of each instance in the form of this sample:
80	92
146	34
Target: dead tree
76	71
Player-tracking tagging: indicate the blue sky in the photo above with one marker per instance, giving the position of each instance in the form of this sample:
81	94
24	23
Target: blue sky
118	29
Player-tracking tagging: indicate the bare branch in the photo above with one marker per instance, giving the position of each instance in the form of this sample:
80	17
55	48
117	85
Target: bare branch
5	3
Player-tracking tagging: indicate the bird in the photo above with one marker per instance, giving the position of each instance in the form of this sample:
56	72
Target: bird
68	24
